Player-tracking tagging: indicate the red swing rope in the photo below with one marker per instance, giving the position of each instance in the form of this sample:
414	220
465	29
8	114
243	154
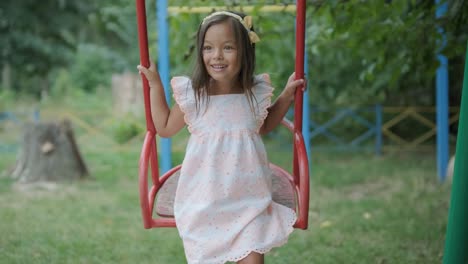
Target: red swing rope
149	150
299	71
144	59
300	160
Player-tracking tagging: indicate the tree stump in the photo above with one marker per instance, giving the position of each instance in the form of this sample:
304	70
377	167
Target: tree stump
49	153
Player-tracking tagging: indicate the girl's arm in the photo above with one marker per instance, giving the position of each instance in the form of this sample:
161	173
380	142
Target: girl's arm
279	108
166	121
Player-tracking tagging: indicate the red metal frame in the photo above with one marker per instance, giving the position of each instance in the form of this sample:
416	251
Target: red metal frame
149	155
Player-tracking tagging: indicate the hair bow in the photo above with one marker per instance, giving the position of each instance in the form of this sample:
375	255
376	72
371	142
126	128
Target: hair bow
246	22
248	25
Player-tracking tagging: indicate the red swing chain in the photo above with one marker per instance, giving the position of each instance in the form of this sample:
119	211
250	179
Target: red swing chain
300	159
299	71
149	145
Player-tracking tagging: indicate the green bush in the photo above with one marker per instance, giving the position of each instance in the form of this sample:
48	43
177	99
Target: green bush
93	67
61	82
125	131
6	98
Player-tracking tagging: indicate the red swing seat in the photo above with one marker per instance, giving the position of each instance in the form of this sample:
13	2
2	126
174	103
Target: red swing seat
291	190
283	191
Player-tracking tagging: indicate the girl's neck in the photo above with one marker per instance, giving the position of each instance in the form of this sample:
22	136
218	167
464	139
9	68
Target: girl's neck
218	88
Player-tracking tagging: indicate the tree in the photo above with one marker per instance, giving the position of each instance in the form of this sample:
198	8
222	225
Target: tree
360	52
381	51
36	36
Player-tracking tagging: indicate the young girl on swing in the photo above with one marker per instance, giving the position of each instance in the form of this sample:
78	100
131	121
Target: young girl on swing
223	205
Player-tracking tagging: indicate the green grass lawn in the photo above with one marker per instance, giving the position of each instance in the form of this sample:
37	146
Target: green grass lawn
364	209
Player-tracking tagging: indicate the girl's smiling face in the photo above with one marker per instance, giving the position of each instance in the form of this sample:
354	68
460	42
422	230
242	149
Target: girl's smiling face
220	56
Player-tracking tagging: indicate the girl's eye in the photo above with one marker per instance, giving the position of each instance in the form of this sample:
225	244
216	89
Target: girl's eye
229	48
206	48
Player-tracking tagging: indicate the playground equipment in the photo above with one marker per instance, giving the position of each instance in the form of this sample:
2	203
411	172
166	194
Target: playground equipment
456	237
291	190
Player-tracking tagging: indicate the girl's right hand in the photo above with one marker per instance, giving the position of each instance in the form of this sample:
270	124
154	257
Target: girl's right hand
150	73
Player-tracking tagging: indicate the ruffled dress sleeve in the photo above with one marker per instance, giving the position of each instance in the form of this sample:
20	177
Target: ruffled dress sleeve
184	96
263	91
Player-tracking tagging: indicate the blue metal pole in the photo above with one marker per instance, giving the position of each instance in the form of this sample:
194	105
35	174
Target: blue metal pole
163	67
36	116
442	100
305	110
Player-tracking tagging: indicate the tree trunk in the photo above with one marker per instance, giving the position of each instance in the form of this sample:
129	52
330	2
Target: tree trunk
6	76
49	153
44	83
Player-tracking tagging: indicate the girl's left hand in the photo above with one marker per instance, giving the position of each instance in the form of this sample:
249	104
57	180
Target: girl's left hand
291	85
150	73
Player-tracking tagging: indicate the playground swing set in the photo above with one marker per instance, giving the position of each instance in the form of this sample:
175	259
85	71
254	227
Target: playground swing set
291	190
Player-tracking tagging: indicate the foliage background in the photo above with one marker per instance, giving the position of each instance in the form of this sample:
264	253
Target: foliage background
359	52
365	208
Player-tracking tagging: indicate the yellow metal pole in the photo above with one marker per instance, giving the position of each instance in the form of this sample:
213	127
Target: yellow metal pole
208	9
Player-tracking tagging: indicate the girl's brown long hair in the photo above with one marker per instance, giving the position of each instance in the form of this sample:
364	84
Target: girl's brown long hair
246	57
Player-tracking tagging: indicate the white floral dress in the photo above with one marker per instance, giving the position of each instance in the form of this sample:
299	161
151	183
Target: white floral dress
223	204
